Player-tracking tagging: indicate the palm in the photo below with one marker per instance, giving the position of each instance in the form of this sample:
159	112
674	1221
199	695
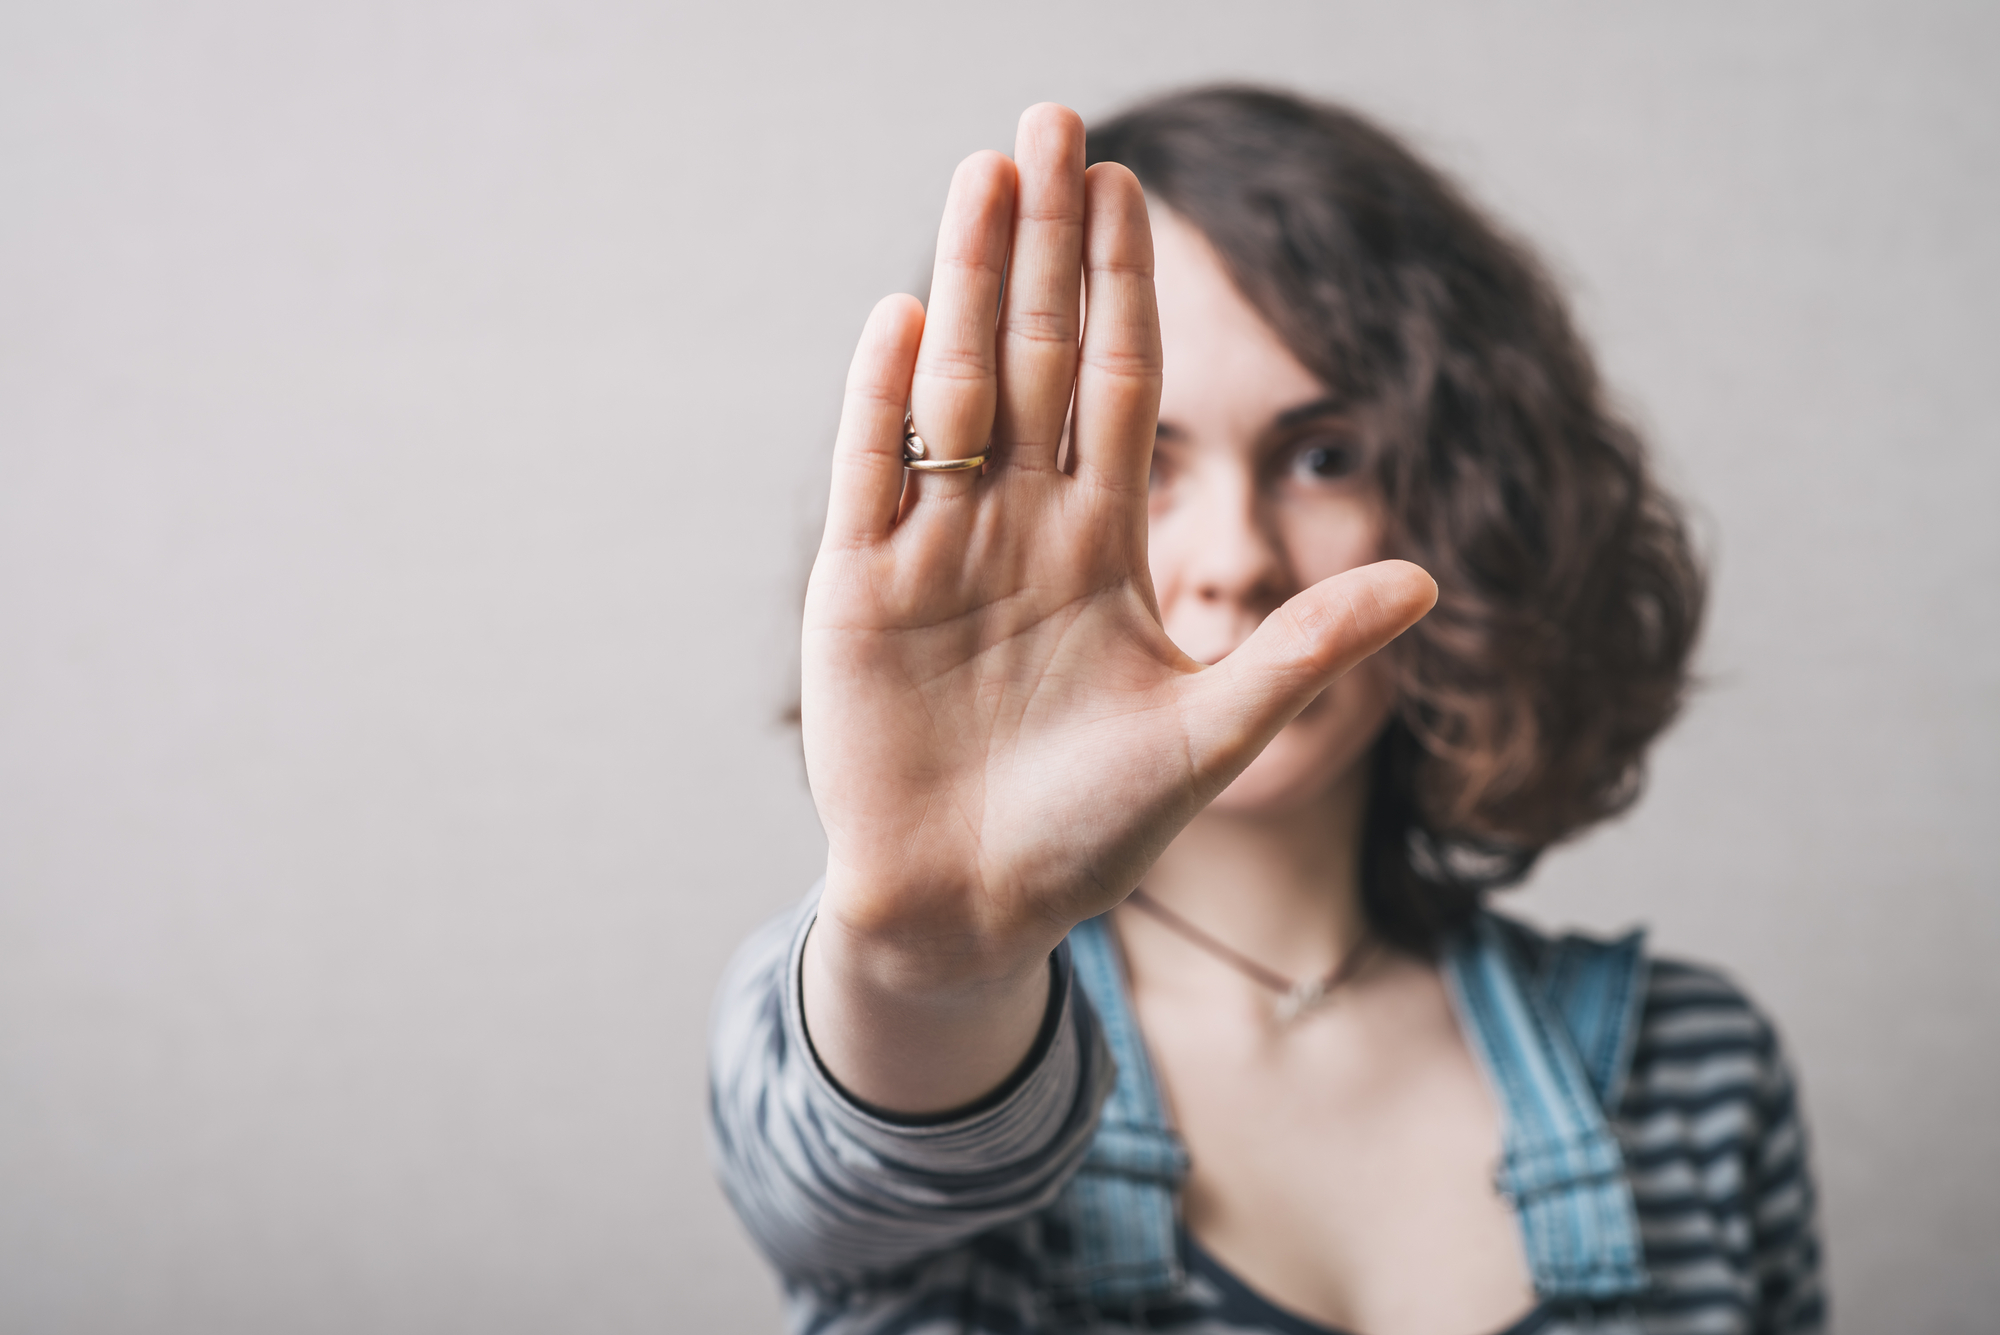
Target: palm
999	733
1005	719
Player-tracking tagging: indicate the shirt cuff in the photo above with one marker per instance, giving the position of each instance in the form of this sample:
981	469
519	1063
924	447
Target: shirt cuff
1013	1121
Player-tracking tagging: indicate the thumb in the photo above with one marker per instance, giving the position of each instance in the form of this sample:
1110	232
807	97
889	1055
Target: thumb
1302	648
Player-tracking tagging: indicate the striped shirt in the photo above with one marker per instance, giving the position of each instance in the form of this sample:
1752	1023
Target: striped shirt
889	1226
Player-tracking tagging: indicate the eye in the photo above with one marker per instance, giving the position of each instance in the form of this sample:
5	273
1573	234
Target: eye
1161	472
1326	460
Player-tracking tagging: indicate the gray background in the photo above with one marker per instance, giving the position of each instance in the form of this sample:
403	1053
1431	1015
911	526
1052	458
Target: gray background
411	430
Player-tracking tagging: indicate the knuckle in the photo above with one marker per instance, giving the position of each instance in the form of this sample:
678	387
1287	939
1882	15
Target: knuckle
955	363
1296	625
1312	630
1063	212
873	391
1040	327
967	259
1112	265
1125	363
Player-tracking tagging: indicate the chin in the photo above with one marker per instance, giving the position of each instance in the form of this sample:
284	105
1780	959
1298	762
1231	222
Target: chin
1299	768
1315	752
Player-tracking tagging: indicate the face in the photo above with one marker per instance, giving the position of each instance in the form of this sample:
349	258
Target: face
1259	490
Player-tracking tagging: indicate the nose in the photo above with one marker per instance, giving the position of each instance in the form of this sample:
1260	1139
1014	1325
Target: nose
1236	559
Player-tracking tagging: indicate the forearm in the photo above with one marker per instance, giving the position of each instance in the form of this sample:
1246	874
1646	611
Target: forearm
917	1030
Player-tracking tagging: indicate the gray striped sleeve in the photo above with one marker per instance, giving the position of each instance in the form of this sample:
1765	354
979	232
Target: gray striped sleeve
837	1194
1786	1256
1717	1153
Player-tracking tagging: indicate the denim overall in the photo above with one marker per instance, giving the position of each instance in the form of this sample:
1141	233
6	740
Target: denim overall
1552	1023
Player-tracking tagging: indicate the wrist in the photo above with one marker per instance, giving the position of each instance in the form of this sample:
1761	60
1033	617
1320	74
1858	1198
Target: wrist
937	964
908	1035
931	942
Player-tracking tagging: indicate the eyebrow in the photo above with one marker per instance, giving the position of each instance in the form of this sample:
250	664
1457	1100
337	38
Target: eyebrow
1306	412
1291	417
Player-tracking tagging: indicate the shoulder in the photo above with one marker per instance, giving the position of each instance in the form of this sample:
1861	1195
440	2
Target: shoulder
1698	1009
1680	1006
1678	1034
1716	1149
1702	1102
1710	1116
1702	1045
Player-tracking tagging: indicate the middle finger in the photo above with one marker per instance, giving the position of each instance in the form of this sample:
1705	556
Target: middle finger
1038	319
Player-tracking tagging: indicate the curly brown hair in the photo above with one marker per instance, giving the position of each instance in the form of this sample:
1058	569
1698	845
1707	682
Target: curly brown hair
1569	593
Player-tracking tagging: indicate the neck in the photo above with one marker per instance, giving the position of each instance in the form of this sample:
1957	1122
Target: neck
1285	889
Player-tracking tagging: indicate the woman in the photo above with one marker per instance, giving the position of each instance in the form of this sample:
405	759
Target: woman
1150	985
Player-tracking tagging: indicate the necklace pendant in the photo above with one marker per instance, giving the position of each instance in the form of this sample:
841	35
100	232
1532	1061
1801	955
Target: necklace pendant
1302	998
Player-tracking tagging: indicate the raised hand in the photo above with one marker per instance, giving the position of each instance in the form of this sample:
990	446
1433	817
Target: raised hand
999	734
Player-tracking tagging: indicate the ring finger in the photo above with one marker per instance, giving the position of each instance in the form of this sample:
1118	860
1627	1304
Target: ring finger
953	392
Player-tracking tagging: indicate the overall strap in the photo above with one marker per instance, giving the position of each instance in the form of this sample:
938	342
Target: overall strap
1598	988
1553	1042
1112	1233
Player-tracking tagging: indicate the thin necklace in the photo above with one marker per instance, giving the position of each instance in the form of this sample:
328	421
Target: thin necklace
1294	999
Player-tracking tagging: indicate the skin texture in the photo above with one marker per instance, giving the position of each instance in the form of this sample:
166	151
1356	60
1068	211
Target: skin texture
1025	691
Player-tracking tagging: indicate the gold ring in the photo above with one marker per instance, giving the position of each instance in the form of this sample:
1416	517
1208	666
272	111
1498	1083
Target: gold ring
945	465
914	451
